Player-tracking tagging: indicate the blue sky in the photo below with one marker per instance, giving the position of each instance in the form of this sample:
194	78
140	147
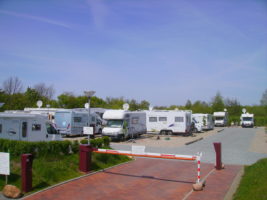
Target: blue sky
163	51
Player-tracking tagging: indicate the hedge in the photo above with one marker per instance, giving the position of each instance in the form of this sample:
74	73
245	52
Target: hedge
38	149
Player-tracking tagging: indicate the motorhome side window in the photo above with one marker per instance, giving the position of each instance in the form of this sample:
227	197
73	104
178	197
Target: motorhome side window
162	119
93	119
179	119
24	129
135	120
153	119
77	119
0	128
36	127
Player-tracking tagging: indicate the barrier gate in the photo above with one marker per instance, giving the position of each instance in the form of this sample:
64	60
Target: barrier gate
139	152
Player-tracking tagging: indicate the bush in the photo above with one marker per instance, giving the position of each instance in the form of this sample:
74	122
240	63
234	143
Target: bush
98	142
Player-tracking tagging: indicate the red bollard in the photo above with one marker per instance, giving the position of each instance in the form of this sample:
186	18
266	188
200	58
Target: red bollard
26	172
85	158
218	150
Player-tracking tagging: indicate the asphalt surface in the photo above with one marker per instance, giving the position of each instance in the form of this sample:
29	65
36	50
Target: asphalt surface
235	147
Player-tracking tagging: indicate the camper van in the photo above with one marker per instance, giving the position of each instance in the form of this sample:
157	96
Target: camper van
122	124
27	127
205	120
247	120
71	122
169	121
220	118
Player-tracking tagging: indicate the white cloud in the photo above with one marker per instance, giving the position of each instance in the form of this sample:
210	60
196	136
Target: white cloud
36	18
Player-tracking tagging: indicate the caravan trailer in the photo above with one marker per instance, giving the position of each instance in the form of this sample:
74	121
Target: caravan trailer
27	127
169	121
205	120
122	124
71	122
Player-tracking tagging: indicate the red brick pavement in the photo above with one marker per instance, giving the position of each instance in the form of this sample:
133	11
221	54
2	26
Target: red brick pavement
145	179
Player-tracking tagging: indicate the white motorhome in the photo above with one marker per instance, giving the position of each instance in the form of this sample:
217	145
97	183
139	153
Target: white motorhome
122	124
205	120
247	120
169	121
27	127
71	122
220	118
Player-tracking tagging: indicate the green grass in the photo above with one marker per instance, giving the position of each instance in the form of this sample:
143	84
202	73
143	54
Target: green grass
253	185
51	170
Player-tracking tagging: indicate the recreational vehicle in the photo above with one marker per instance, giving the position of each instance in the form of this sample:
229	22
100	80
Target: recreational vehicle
205	120
27	127
247	120
71	122
122	124
169	121
220	118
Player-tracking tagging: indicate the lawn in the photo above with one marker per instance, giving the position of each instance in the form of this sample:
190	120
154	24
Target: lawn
253	184
51	170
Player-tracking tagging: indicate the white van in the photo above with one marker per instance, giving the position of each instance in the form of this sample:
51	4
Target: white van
220	118
247	120
205	120
122	124
169	121
27	127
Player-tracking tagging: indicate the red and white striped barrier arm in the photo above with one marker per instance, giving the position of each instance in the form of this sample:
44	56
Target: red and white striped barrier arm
151	155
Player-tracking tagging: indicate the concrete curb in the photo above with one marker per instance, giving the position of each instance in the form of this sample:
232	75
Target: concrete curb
220	130
194	141
229	195
74	179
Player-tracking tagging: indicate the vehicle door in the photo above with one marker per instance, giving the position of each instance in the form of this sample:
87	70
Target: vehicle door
24	133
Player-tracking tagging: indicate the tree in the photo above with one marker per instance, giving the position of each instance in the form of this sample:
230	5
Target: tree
217	103
12	85
188	104
144	105
233	107
264	98
45	91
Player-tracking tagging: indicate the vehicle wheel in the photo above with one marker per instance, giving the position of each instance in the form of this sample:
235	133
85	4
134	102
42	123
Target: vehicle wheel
100	131
169	132
122	138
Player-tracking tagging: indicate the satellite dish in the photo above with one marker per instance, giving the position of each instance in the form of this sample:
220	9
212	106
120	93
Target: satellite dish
176	109
86	105
244	110
225	110
39	103
125	106
150	108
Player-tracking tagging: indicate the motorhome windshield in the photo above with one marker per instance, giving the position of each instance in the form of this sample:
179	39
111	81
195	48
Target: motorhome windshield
114	123
219	118
247	118
62	119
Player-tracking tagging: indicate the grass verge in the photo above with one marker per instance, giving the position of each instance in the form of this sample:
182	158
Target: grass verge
253	183
50	170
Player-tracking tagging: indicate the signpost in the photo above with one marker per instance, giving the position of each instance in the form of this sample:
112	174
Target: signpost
5	164
88	131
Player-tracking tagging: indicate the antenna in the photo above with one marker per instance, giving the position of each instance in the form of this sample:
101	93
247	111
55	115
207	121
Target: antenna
86	105
39	103
125	106
244	110
225	110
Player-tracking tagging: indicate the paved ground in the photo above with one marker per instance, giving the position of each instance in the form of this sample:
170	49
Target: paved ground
146	179
236	146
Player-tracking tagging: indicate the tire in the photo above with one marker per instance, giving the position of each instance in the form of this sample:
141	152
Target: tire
163	132
169	132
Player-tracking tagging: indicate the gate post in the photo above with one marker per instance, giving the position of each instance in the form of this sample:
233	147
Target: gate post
218	150
26	172
85	152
